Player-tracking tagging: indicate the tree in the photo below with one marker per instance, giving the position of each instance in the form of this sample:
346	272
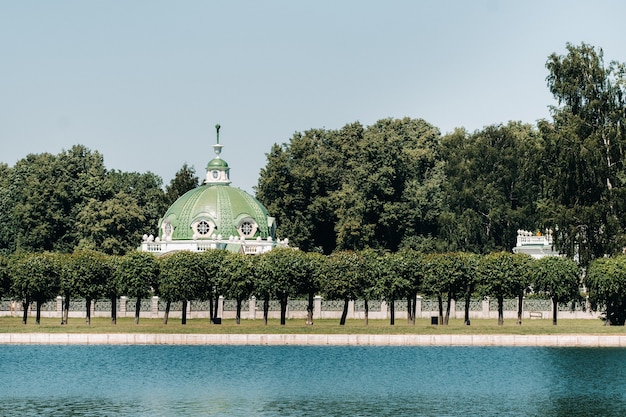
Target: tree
179	278
45	194
606	282
355	187
499	278
284	268
239	270
5	277
35	278
89	272
392	283
341	279
129	207
138	274
212	280
559	278
7	221
584	161
369	277
310	280
492	184
113	285
184	180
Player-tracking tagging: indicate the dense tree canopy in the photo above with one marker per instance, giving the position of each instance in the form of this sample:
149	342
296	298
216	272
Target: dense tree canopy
583	160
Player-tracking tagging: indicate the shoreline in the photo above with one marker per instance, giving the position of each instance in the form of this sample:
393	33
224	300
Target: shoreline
561	340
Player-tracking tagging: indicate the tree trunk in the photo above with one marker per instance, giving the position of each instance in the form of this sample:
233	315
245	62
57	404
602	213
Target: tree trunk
38	316
137	310
216	305
520	304
344	313
500	310
446	319
166	316
466	318
309	310
283	308
238	313
88	310
183	319
367	312
555	309
440	302
409	311
25	304
114	309
266	309
66	309
392	312
211	316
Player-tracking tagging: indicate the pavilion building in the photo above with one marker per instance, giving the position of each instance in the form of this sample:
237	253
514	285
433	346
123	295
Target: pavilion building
215	215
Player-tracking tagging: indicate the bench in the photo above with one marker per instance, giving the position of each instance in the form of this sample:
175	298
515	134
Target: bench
536	315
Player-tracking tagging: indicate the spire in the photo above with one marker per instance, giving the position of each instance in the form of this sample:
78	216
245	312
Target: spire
217	148
217	171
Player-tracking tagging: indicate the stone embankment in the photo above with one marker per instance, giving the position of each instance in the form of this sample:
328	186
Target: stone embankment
563	340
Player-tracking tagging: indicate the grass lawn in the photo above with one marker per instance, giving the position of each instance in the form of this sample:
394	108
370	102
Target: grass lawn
423	326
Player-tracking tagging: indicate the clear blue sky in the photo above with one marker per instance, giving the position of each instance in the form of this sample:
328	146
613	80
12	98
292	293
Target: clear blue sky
145	81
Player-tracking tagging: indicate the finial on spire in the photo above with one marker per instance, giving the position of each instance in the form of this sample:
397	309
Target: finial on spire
217	128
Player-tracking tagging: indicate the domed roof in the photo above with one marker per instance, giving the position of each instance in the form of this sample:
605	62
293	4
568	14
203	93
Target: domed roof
216	211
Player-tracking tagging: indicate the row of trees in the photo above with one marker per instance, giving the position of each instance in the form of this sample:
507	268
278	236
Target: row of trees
285	273
399	183
395	184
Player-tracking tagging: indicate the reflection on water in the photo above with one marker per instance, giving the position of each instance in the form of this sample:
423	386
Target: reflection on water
311	381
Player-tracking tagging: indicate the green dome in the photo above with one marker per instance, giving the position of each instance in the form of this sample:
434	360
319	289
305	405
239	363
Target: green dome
216	211
218	163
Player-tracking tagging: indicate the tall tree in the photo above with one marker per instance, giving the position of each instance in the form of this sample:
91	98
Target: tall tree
491	187
584	177
356	187
129	207
184	180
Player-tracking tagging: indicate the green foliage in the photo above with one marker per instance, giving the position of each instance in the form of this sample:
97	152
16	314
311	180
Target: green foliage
356	187
181	276
68	201
492	186
34	277
583	158
184	180
606	283
5	277
138	274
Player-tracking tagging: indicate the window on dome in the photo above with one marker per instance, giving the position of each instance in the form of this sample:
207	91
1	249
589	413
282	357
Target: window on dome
204	228
247	228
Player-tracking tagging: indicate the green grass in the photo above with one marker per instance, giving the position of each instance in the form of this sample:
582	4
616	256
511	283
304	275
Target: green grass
423	326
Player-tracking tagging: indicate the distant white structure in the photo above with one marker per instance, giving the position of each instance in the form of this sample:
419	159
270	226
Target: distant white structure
536	245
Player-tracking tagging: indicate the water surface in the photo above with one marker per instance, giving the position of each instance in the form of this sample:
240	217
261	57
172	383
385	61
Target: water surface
311	381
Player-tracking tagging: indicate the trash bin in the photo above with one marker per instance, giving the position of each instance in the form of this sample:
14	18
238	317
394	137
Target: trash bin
434	320
217	320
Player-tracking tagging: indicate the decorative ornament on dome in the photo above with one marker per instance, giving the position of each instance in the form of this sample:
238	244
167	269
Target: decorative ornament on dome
217	170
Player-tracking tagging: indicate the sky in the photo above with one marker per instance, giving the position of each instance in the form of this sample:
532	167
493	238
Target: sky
144	82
